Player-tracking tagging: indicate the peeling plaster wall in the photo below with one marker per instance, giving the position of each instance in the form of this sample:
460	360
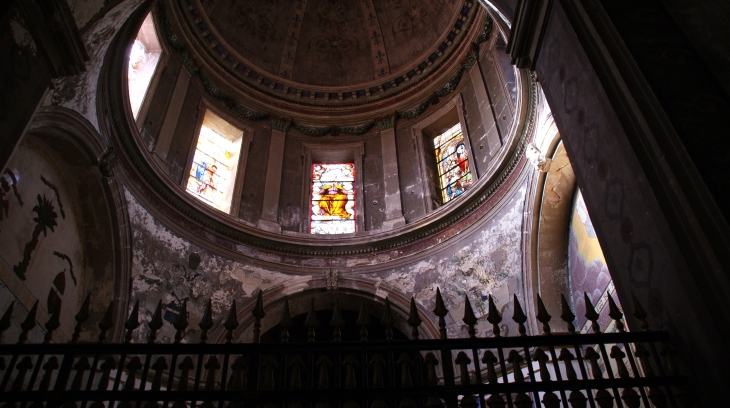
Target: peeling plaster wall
486	261
79	92
170	269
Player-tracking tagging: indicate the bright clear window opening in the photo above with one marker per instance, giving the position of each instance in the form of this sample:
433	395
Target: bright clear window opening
453	163
215	164
143	59
333	198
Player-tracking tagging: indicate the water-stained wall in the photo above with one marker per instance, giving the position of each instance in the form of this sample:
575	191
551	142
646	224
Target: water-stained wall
486	259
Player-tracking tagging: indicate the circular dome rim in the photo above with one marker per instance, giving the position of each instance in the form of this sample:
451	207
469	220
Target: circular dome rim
153	187
266	96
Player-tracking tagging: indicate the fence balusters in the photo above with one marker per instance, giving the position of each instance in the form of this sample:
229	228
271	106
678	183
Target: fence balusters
374	375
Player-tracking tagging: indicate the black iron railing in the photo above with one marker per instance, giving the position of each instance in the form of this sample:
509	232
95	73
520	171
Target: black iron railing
603	370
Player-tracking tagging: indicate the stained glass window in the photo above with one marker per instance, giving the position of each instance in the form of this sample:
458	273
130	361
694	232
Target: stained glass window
143	58
453	163
215	164
333	198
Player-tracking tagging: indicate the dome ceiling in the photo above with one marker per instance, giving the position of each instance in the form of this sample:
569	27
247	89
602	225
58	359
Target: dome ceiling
332	43
322	51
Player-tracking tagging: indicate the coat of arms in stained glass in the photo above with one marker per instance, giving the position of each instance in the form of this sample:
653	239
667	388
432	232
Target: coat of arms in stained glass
333	198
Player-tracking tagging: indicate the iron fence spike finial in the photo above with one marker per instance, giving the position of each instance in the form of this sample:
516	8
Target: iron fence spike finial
285	323
518	316
337	321
258	310
615	313
387	320
469	318
566	314
639	312
155	323
363	320
494	317
258	314
81	317
543	316
106	322
591	313
441	311
5	320
181	323
231	322
28	324
52	324
206	322
414	320
311	323
132	322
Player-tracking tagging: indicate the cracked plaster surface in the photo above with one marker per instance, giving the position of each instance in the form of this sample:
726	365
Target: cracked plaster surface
78	92
170	269
488	261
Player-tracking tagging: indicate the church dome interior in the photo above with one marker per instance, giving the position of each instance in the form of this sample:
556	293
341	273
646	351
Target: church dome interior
469	174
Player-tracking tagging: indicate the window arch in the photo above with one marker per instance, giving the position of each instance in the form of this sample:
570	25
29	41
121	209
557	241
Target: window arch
144	57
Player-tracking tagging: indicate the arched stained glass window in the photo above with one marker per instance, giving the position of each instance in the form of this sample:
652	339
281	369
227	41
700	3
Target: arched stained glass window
215	163
143	59
453	163
333	198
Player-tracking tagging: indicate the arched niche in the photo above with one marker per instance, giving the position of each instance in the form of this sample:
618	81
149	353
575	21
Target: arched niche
69	237
349	300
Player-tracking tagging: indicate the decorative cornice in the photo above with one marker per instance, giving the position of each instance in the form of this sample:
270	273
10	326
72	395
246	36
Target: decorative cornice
388	122
281	124
196	26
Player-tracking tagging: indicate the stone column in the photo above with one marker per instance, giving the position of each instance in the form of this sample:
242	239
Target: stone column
269	220
391	184
169	123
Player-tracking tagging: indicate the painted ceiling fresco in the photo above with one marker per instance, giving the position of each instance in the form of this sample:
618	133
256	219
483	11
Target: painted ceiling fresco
332	42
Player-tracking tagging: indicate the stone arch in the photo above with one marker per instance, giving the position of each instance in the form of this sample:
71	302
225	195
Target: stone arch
87	168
